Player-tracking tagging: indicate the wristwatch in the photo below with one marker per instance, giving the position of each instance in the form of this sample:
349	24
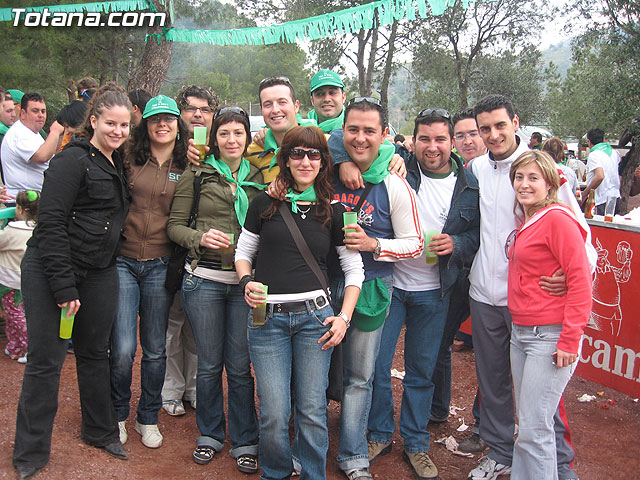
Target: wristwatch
346	319
376	251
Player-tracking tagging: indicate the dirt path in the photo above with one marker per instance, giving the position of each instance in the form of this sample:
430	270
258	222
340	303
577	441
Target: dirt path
606	440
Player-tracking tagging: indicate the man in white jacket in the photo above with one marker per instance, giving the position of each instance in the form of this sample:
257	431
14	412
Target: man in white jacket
491	321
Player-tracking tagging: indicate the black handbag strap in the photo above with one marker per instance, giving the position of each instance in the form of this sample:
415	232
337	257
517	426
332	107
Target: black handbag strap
363	197
197	183
302	246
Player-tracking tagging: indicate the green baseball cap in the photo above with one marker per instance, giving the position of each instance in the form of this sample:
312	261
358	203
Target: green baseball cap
16	95
325	78
161	104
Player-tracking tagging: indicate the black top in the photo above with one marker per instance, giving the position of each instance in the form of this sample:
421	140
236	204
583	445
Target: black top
279	264
84	202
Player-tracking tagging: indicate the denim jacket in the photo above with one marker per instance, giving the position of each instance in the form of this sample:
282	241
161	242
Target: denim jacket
463	221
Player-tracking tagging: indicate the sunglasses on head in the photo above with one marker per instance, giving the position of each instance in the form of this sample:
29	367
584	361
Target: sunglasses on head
299	153
276	78
372	100
224	110
434	112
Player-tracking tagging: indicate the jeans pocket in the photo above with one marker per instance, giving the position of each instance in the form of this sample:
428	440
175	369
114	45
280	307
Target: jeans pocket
322	314
190	283
253	326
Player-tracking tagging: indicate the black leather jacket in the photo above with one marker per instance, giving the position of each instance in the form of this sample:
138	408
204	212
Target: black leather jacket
84	202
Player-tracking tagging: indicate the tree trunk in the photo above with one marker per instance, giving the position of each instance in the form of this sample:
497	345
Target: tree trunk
152	69
362	44
627	176
368	86
386	77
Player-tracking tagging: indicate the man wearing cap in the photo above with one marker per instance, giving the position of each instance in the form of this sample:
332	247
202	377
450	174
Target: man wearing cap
25	154
197	106
447	200
280	108
327	98
388	230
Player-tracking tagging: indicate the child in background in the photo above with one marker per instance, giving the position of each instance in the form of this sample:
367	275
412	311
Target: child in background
13	243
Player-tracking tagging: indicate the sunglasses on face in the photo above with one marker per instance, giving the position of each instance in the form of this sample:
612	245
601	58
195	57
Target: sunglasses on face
434	112
224	110
299	153
163	118
203	110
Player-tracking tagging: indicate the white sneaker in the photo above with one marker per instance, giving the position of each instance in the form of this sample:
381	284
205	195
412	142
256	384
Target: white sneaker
151	436
23	360
175	408
489	469
122	426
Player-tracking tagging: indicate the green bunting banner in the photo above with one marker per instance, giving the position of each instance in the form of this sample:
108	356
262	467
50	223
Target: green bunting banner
350	20
7	15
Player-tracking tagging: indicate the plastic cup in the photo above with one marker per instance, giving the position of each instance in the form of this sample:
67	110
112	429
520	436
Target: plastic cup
260	312
66	323
431	257
350	218
228	254
200	139
610	209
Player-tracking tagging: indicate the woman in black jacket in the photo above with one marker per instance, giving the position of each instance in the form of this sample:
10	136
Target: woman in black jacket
70	262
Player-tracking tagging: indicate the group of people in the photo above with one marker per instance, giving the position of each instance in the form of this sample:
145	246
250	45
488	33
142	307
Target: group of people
312	290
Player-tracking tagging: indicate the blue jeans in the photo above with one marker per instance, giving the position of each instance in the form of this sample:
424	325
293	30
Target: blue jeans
217	314
141	292
424	313
286	341
538	385
359	353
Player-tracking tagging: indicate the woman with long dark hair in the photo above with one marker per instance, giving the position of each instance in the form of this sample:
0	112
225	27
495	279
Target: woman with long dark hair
154	160
211	298
70	264
295	342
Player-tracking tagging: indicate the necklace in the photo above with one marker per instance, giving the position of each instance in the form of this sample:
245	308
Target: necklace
303	213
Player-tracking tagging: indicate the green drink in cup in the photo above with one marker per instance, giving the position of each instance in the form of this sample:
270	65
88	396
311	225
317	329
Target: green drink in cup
350	218
66	323
432	258
200	140
228	253
260	312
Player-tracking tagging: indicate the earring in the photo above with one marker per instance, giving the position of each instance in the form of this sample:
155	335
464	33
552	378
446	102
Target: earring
178	137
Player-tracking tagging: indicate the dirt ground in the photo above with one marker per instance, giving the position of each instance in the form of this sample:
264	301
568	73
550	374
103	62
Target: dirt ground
606	440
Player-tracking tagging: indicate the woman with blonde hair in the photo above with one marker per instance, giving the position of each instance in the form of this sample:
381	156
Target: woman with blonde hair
546	329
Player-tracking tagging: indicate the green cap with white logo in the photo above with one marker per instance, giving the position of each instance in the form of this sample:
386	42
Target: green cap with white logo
161	104
326	78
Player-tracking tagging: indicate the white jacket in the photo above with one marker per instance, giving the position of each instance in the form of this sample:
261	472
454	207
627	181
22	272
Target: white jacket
489	272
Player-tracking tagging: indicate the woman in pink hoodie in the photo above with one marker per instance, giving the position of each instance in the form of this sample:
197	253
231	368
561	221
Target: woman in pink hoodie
546	329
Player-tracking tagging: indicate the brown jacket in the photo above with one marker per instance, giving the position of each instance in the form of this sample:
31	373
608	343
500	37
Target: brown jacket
145	229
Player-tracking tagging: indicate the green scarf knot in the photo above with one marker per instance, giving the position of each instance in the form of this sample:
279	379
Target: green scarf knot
309	195
330	124
379	169
241	203
270	141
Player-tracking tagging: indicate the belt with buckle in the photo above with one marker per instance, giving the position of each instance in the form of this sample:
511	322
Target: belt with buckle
299	307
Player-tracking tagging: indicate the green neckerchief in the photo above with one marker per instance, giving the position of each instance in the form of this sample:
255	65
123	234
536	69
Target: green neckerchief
309	195
270	141
3	128
602	147
379	169
330	124
241	203
438	176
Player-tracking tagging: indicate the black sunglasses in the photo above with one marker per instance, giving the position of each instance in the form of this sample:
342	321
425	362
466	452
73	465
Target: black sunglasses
372	100
223	110
299	154
434	112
